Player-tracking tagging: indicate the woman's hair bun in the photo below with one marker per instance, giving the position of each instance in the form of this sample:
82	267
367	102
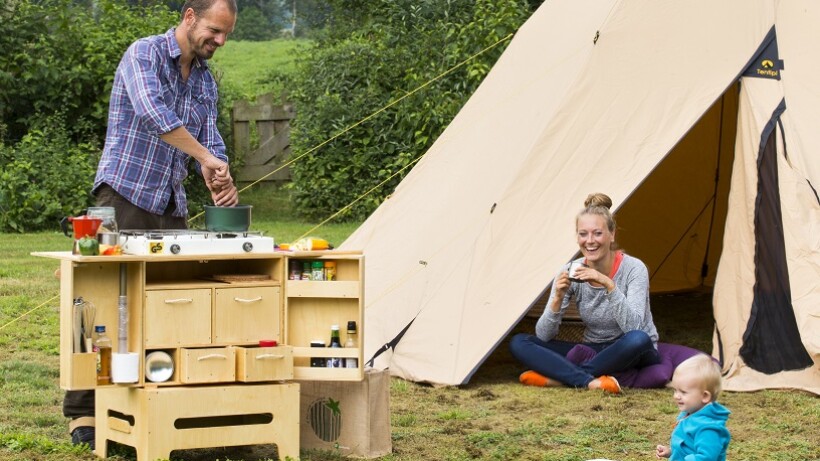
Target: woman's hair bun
598	199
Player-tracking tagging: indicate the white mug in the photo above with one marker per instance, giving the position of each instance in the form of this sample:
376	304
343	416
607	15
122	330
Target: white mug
574	266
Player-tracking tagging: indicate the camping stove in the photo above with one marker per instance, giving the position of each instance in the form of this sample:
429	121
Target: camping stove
193	242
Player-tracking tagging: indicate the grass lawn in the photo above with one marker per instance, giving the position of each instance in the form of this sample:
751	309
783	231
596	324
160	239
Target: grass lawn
246	65
491	418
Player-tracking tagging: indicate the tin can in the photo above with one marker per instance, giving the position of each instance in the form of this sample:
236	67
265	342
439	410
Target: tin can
317	362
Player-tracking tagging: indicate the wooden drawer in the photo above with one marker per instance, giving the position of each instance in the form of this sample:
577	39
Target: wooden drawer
246	315
264	363
207	365
177	317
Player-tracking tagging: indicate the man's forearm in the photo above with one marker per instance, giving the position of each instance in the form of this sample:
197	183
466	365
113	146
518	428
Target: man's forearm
182	140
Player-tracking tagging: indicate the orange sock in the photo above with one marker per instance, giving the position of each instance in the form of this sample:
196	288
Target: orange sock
531	378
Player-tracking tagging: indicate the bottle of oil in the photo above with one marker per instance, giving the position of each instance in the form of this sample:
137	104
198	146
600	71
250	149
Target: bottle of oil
102	347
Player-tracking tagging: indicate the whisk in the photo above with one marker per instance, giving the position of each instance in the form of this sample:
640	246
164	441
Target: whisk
89	312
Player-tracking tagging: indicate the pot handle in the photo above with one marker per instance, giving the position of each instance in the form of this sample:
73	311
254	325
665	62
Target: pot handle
64	226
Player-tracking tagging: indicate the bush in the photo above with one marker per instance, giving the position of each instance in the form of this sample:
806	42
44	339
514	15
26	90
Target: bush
44	177
346	76
61	55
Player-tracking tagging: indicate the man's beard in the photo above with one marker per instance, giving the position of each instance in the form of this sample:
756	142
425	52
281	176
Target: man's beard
199	50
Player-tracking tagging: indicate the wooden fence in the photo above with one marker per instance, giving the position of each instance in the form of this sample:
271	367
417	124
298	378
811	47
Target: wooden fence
271	121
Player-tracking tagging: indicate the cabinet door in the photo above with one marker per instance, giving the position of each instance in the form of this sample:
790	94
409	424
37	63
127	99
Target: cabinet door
177	317
246	315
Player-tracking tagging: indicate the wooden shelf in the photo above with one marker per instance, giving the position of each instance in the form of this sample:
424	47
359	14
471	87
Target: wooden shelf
323	289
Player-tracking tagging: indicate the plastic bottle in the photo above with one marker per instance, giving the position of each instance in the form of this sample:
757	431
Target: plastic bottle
335	341
351	362
102	347
330	270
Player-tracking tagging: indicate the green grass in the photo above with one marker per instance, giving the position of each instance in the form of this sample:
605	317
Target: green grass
245	66
491	418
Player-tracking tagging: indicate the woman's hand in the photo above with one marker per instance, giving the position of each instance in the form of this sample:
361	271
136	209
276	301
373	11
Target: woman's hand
590	275
561	286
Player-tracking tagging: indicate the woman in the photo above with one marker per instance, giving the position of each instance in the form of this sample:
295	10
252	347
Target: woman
611	291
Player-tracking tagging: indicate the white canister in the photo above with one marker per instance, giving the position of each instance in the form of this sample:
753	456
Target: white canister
125	367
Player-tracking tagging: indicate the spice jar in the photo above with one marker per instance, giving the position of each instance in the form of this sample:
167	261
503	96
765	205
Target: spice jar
318	272
330	270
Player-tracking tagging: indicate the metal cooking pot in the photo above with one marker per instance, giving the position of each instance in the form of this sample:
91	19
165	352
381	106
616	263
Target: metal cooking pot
228	218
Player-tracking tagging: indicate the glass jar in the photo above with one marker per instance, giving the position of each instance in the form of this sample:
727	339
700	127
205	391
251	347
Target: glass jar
108	216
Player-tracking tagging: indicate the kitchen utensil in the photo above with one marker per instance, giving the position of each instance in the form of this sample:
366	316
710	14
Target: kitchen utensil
159	366
228	218
89	315
82	226
77	316
108	216
574	266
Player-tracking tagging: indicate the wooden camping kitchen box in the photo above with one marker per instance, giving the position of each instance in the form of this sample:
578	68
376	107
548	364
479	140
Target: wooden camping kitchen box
209	313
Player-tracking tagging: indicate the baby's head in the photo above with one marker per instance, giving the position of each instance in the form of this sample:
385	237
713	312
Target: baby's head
696	382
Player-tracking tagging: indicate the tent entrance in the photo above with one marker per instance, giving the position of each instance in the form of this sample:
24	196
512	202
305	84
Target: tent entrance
674	220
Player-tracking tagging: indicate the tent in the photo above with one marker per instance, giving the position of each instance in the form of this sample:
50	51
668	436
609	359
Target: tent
698	118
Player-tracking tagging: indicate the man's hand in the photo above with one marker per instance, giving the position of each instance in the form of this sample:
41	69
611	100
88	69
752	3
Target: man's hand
218	179
663	451
215	172
227	196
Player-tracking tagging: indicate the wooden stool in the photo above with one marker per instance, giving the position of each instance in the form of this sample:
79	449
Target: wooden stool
157	420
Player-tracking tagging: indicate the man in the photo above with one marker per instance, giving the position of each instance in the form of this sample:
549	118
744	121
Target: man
162	113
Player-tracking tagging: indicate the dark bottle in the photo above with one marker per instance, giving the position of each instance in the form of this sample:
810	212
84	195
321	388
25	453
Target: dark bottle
351	362
335	341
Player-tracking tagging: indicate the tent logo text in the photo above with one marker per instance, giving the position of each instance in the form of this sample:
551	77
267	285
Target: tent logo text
767	69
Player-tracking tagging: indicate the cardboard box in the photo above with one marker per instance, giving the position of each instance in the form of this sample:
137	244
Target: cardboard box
349	417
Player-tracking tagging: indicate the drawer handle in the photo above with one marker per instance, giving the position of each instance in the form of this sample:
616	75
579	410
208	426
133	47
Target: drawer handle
270	356
243	300
179	301
212	356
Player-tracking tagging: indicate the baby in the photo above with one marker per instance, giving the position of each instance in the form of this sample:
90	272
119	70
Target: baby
700	432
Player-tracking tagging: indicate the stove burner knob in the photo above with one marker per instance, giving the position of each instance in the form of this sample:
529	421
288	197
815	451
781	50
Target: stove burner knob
247	246
175	248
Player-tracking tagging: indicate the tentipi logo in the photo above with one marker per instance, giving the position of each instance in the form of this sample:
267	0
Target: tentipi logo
767	64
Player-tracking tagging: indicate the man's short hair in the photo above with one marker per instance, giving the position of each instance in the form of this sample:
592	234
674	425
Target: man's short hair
201	6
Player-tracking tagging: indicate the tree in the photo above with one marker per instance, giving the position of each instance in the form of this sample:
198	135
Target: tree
56	72
61	56
375	53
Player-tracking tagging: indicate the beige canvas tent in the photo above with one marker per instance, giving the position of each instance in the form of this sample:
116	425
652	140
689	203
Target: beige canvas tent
700	120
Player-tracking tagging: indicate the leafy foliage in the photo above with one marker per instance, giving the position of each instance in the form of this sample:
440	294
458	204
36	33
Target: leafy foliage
44	177
60	56
56	73
376	53
252	25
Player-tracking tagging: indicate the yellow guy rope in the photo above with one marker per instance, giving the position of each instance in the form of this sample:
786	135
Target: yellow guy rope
28	312
320	145
350	127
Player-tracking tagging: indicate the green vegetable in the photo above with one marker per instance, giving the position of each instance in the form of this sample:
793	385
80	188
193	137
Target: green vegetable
89	246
